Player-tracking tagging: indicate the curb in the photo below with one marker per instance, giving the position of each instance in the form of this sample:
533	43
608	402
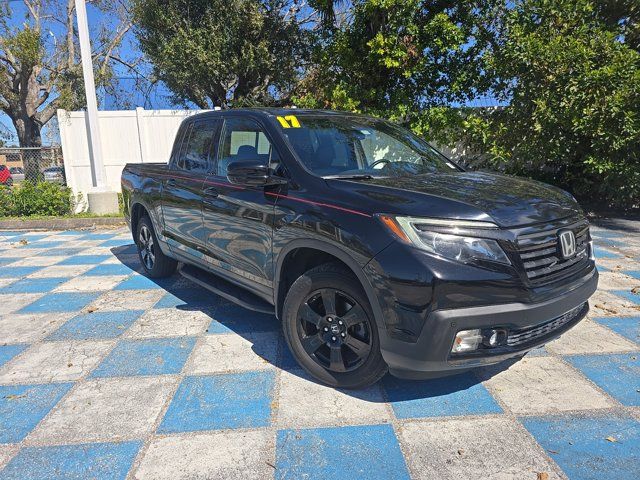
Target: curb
60	223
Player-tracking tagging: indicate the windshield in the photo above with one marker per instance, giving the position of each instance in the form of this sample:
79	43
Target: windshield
352	146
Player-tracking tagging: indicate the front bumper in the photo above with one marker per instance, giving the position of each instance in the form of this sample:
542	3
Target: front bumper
432	351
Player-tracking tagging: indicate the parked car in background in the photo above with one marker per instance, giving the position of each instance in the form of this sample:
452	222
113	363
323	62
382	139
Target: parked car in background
54	174
374	250
5	176
17	173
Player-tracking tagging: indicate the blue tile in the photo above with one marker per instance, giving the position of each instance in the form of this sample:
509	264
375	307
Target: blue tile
72	232
51	244
7	260
118	242
23	406
98	461
96	325
34	285
632	273
7	352
606	234
370	451
62	252
632	297
601	253
195	298
29	237
456	395
60	302
628	327
617	374
17	272
241	320
84	260
109	269
240	400
580	446
146	357
99	236
139	282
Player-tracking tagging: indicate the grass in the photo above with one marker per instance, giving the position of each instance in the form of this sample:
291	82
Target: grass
71	215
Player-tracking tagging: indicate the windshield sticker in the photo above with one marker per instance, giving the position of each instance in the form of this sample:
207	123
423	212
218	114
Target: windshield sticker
288	121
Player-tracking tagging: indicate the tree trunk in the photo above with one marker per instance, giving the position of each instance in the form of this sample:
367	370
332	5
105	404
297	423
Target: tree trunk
29	135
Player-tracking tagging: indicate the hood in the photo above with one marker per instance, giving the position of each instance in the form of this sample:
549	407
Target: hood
506	200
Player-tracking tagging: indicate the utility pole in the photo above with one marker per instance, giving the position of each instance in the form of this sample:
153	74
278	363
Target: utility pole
100	200
93	129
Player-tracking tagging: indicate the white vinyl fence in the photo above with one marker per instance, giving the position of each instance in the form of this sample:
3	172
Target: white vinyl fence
127	136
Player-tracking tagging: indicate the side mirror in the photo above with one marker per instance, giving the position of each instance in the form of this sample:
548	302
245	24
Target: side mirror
253	174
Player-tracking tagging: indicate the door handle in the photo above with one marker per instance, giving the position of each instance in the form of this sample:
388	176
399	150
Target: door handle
171	182
210	192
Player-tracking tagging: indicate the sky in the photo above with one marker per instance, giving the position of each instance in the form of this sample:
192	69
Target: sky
158	98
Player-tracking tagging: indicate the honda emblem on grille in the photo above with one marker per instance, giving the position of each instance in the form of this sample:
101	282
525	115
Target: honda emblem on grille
567	243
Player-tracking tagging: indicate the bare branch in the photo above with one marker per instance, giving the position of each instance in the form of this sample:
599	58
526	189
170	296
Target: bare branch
112	45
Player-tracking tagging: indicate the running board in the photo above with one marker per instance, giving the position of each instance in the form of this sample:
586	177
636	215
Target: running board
225	289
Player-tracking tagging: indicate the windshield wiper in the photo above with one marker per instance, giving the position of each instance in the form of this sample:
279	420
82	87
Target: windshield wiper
355	176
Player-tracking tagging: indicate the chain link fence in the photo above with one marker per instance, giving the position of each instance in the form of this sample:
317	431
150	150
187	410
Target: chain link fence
33	164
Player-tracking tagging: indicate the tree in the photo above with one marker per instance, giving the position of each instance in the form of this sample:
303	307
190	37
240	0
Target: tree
39	62
224	52
395	58
570	72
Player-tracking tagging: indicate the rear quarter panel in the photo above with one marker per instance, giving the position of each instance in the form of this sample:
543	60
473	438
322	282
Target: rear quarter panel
142	184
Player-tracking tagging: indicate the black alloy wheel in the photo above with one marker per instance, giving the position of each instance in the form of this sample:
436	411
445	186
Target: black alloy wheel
334	330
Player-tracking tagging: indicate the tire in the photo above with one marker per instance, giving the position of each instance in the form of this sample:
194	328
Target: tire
341	350
155	263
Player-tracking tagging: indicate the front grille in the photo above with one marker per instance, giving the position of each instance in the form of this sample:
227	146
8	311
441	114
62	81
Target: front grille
526	335
541	258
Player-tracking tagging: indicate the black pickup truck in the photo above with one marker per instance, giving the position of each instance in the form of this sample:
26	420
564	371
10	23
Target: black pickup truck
374	250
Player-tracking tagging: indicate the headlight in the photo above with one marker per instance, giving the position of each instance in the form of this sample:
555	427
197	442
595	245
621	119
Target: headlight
421	233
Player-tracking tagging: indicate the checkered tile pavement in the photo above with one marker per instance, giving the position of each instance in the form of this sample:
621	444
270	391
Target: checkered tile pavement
105	373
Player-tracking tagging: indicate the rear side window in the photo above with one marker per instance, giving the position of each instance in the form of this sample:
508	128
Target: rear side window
194	154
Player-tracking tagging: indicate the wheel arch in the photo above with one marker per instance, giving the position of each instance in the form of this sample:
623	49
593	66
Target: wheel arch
301	255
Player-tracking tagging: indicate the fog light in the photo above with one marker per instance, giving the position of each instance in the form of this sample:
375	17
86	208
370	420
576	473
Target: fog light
494	337
466	341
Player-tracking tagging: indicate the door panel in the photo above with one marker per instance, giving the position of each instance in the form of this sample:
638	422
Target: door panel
239	220
183	189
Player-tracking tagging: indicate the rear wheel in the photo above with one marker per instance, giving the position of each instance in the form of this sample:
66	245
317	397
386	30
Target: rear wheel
156	264
329	327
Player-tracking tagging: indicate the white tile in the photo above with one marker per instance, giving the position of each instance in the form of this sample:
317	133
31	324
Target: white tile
30	327
60	271
42	261
495	448
169	322
54	362
224	353
7	452
13	302
127	300
106	409
304	403
589	337
241	455
541	385
89	283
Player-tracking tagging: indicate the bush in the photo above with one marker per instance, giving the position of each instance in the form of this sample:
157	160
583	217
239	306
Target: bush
29	199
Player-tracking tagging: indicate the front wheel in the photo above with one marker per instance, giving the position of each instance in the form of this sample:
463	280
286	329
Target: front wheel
329	327
155	263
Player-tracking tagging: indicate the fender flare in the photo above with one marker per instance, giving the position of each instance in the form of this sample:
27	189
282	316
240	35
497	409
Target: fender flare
340	255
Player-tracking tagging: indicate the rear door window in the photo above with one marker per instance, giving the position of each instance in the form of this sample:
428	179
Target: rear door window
196	147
